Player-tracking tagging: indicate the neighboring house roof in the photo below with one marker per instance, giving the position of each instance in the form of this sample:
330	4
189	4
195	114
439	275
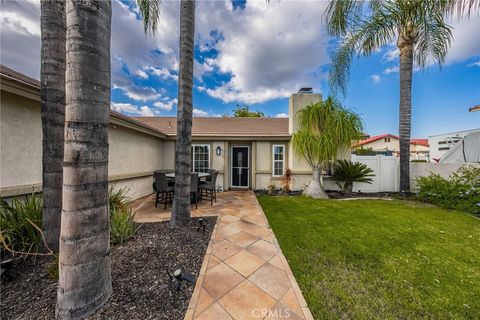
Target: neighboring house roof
224	127
422	142
116	118
475	108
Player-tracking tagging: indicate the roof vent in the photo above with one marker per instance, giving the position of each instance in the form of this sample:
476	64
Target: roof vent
305	90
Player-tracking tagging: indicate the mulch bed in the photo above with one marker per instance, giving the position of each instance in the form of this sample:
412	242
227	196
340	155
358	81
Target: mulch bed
349	195
141	286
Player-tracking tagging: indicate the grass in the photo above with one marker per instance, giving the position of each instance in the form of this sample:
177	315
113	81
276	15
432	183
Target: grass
374	259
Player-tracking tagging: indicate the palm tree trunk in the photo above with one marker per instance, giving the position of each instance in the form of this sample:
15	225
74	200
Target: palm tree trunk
406	69
52	76
84	263
315	188
183	165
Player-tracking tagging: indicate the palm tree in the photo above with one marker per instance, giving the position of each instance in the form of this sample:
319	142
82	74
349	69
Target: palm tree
422	36
326	129
183	148
52	79
84	261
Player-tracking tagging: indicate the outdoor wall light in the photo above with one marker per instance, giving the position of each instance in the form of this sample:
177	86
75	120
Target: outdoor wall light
218	151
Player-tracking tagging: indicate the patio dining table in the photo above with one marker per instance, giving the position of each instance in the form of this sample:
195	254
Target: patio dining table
201	175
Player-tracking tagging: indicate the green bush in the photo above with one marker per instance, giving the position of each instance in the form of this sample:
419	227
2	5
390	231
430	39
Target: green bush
461	191
122	226
118	198
20	222
364	151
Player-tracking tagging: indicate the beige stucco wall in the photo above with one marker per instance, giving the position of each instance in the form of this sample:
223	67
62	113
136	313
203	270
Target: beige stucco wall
20	141
133	156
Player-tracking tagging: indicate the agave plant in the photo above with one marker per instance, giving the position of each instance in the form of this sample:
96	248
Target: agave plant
349	172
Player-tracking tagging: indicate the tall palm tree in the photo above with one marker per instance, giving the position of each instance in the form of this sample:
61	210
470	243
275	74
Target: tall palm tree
326	129
183	148
52	92
84	262
422	36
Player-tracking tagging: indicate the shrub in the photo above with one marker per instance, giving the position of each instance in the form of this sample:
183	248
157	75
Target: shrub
20	223
461	191
118	198
122	226
364	151
271	190
287	181
349	172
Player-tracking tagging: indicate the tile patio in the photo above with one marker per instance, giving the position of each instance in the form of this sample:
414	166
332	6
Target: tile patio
244	274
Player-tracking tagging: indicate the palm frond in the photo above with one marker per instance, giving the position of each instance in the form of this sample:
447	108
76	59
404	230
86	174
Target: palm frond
150	12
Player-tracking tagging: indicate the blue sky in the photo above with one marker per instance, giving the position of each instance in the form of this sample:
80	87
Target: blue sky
254	53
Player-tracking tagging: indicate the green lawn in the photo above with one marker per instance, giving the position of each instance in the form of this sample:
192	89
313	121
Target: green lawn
380	259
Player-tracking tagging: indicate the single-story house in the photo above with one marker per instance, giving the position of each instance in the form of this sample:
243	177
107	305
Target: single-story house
249	153
419	148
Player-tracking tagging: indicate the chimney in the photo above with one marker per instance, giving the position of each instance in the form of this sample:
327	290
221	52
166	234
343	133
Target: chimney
304	97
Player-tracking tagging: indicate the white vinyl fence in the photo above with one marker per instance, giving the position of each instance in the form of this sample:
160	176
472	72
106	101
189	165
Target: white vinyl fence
387	172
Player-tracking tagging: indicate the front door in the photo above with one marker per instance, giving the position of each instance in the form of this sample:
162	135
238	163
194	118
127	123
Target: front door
240	167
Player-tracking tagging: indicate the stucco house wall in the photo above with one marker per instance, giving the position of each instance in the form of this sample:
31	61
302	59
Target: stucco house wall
133	155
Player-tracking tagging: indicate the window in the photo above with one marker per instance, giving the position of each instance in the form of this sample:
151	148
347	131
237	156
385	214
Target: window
278	160
387	139
200	157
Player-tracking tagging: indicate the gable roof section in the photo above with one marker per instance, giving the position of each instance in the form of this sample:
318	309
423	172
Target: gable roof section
223	127
421	142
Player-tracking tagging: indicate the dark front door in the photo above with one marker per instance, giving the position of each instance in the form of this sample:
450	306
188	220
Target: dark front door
240	167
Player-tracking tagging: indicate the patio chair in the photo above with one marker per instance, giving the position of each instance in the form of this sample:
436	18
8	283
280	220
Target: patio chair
207	189
194	188
164	191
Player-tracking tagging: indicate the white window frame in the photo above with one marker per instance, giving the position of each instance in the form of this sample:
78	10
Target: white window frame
273	160
193	154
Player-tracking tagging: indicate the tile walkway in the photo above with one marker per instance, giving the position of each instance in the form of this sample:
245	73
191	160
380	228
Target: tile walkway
244	274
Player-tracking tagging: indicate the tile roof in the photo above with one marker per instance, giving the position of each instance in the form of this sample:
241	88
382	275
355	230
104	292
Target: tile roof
422	142
232	127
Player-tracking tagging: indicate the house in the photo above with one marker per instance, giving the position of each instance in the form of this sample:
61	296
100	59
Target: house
249	153
385	143
442	143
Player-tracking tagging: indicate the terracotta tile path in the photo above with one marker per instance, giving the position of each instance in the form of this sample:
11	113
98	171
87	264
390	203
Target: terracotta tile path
244	274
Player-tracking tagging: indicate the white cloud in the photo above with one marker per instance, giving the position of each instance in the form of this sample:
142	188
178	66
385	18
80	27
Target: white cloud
281	115
203	113
474	64
142	74
375	78
392	54
166	104
391	70
163	73
131	109
269	50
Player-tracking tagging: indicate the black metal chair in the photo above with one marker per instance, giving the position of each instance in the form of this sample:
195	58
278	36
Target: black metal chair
208	190
194	188
164	191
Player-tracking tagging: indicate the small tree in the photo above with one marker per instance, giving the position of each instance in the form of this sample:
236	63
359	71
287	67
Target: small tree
325	129
243	111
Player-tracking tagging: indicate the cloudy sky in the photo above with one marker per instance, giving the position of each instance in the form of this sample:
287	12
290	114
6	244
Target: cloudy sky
258	54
